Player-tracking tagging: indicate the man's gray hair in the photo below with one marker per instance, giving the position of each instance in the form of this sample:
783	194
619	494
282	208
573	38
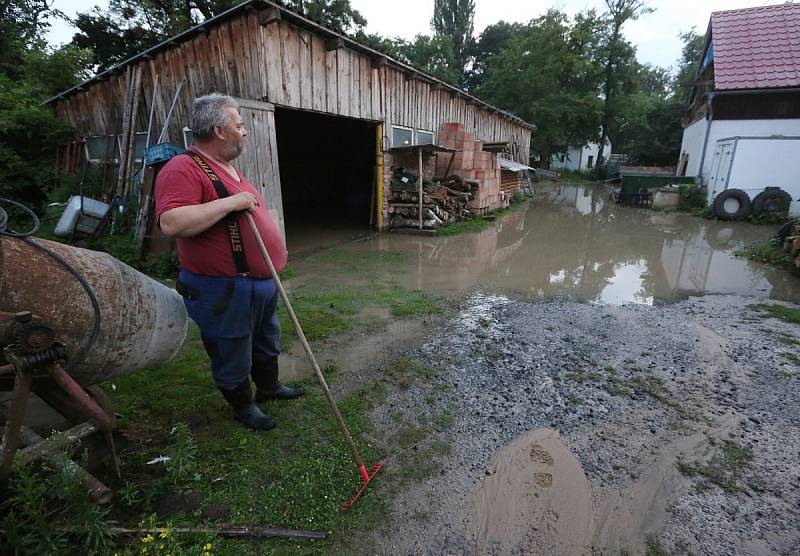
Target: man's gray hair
208	112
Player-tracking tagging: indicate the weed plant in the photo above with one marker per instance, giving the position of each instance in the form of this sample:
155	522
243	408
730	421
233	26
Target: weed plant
50	512
782	312
768	252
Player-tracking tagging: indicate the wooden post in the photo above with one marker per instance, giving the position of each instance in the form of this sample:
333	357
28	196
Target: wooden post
379	176
419	150
131	163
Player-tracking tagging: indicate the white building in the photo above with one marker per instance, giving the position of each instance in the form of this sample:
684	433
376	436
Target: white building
580	159
742	128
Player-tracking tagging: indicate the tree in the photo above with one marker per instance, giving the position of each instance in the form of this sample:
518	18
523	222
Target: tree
647	124
545	74
338	15
128	27
30	73
614	53
432	54
491	41
454	19
693	44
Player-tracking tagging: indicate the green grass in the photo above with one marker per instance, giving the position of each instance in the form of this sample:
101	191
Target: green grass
791	357
655	387
768	252
724	469
477	224
471	226
326	311
787	314
405	371
295	476
358	261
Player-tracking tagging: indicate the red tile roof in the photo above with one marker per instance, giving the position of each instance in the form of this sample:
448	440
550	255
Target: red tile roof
757	48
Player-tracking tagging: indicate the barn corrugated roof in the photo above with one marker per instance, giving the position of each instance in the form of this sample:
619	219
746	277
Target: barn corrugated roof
757	48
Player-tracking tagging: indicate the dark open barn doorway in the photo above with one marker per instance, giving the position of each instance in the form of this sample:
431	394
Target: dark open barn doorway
327	166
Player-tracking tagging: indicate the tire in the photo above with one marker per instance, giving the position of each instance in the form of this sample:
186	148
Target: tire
773	200
731	204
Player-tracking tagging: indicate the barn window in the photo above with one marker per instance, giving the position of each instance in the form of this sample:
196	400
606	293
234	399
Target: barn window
424	137
402	136
102	148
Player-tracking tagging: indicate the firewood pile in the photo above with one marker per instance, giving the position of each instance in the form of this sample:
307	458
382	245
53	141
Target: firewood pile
790	235
444	201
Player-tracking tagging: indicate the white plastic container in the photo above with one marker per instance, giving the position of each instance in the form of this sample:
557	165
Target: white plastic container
93	213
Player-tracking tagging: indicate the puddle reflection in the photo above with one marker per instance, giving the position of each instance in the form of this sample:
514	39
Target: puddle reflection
573	243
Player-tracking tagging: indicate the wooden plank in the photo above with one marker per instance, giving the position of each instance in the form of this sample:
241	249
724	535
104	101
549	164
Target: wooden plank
250	45
334	43
236	60
332	82
318	70
290	55
270	15
306	75
344	78
366	91
375	94
258	36
275	186
355	85
272	56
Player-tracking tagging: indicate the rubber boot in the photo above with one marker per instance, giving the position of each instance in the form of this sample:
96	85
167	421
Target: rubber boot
265	376
244	408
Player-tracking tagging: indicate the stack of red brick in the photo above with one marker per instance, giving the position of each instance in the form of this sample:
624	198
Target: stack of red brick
471	162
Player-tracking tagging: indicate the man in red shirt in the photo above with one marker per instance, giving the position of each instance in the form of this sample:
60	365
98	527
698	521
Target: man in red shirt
226	285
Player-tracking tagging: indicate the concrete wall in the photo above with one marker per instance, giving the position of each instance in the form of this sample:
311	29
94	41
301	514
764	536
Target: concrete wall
692	145
694	135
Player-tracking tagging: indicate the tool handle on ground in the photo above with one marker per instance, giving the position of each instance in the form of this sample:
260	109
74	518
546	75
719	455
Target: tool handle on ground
331	402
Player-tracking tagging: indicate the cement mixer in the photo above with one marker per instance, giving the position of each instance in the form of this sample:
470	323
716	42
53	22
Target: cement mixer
71	319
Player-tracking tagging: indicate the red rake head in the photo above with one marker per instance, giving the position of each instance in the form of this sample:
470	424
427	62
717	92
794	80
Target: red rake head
367	478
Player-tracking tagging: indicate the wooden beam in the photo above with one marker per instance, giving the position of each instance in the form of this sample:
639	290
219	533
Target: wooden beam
438	86
379	61
270	15
414	76
334	43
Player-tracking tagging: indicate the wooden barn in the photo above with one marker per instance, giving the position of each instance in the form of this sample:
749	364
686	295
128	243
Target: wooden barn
331	121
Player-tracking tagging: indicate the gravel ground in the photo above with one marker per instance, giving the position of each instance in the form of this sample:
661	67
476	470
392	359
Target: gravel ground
633	391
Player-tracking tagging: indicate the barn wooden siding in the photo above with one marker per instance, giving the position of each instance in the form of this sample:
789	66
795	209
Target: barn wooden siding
288	65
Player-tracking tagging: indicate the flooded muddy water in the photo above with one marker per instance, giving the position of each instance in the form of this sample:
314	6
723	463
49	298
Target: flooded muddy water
572	243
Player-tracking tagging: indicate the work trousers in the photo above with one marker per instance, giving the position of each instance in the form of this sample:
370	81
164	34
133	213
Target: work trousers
238	321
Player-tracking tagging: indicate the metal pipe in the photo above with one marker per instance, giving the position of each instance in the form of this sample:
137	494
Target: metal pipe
76	391
8	447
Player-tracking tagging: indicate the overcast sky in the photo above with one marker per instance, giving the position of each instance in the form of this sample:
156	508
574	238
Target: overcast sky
655	35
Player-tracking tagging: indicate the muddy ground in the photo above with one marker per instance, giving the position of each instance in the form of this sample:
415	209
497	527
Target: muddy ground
576	428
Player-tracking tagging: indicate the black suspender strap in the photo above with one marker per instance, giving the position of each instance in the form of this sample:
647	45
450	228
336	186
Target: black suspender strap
231	221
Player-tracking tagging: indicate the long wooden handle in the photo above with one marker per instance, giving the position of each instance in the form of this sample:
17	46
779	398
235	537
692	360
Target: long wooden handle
331	402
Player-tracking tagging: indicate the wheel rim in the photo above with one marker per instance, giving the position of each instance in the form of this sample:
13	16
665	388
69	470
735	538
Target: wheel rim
732	205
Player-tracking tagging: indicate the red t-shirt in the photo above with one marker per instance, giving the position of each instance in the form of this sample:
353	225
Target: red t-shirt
181	182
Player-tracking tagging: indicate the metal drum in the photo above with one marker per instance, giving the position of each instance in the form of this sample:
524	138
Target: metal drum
142	322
